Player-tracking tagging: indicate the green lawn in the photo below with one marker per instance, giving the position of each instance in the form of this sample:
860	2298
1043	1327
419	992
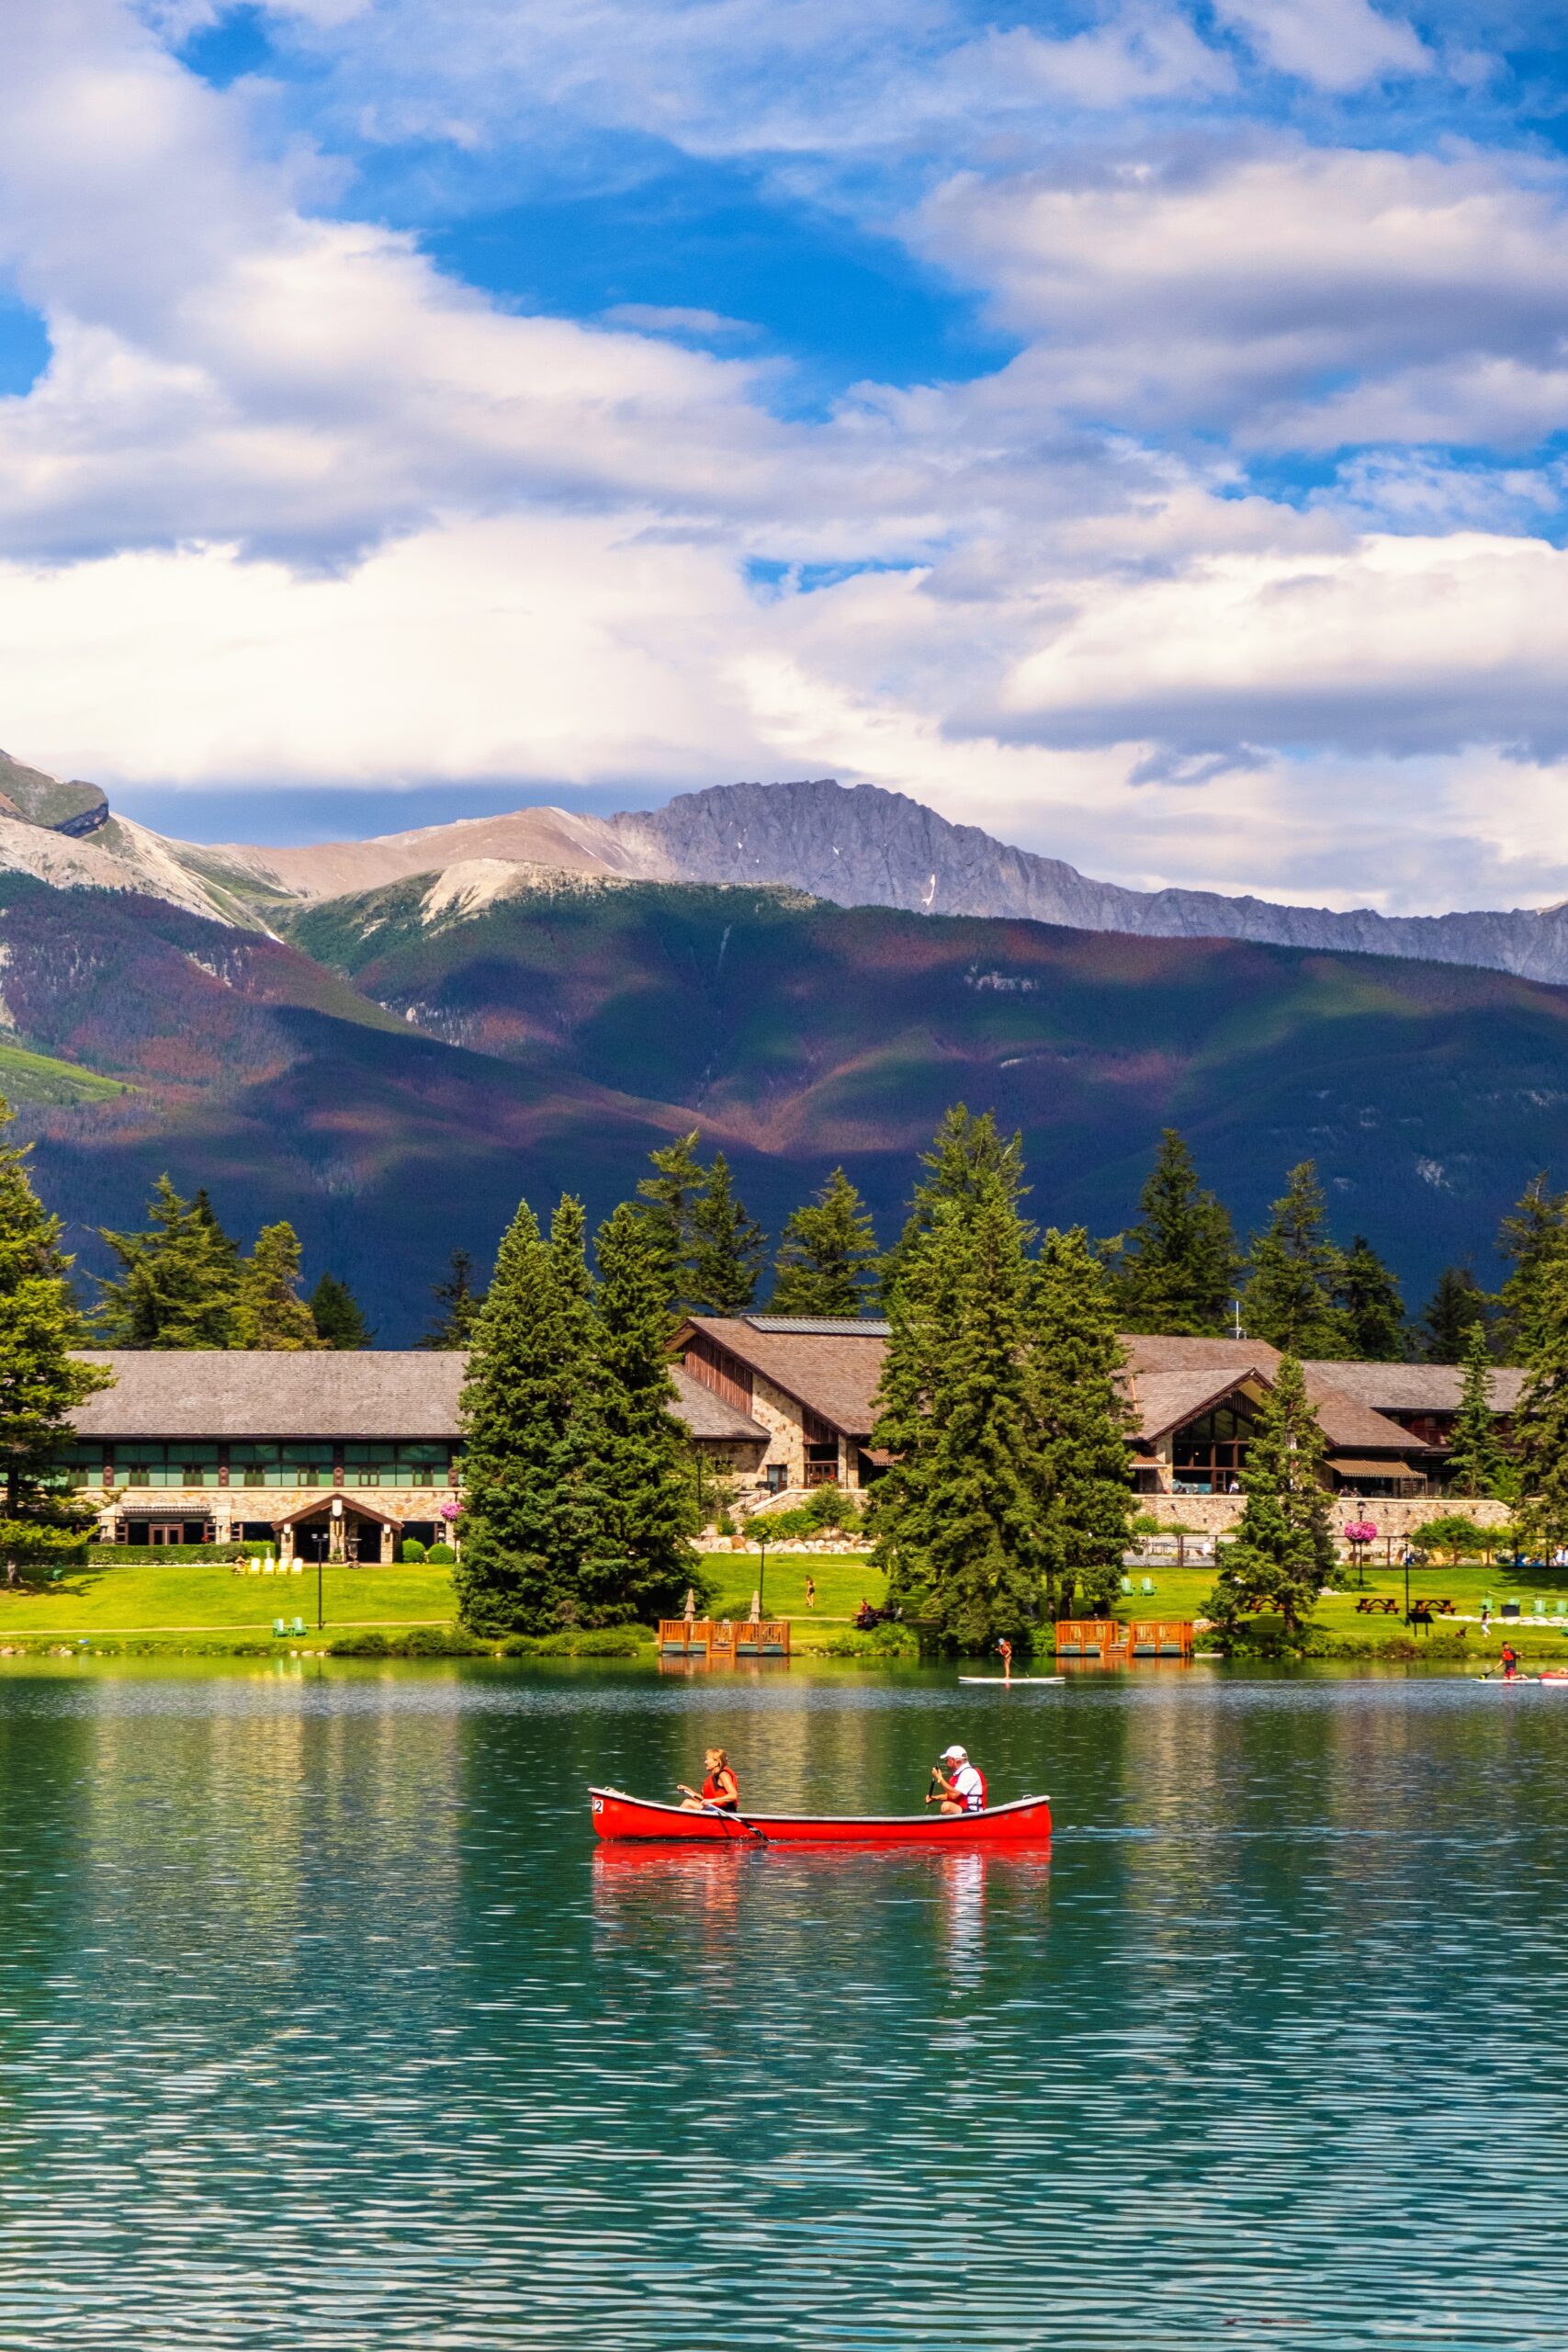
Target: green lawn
842	1583
192	1596
1181	1593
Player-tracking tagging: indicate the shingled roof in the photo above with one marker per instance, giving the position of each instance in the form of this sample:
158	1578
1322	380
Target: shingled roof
350	1393
833	1373
1417	1387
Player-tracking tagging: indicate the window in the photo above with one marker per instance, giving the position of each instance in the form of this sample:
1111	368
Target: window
1208	1454
185	1461
296	1461
80	1466
408	1461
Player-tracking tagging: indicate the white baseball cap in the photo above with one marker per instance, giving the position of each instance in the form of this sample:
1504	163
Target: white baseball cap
959	1754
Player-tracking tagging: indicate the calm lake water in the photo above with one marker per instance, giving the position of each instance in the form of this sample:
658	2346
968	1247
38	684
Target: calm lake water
322	2024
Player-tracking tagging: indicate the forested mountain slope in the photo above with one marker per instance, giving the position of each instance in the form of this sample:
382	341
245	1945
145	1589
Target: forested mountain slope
408	1061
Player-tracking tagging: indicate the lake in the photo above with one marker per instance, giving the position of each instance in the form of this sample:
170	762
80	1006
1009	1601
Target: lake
323	2024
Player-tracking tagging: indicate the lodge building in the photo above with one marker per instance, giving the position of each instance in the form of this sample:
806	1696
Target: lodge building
344	1454
810	1383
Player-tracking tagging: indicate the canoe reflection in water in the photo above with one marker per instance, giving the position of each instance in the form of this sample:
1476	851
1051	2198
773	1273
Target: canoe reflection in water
699	1901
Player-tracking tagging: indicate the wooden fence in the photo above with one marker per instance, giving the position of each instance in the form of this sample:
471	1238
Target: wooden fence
723	1639
1105	1639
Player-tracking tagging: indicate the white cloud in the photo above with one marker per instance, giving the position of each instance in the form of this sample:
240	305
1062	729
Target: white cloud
672	318
1335	44
1299	297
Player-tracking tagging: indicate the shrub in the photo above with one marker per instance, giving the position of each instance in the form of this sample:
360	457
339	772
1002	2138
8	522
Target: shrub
1451	1533
358	1646
438	1641
883	1643
592	1641
440	1555
128	1555
411	1551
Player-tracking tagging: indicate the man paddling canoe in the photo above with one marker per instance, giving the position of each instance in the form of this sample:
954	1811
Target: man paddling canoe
961	1789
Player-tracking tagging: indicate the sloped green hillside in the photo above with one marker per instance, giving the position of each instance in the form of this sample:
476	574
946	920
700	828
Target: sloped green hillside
409	1061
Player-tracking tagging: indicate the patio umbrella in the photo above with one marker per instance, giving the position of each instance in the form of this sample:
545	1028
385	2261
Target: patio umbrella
690	1604
756	1608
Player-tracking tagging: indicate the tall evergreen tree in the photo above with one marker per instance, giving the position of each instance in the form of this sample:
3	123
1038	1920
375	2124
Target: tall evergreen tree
1296	1271
1086	1421
1369	1296
966	1158
1282	1550
521	1564
179	1284
1474	1455
335	1313
827	1261
457	1304
959	1517
1457	1306
41	1380
671	1196
1540	1424
1175	1271
726	1247
270	1311
1533	1238
645	1562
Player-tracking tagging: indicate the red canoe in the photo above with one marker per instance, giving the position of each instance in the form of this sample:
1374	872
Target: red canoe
1025	1822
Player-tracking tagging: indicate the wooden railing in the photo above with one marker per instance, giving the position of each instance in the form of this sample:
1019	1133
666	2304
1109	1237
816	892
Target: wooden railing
1104	1638
723	1639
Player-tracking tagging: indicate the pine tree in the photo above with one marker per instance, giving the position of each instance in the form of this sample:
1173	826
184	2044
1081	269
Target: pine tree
647	1562
1540	1424
1370	1298
1533	1237
180	1282
1296	1271
726	1247
1282	1550
1457	1306
270	1311
827	1261
671	1194
41	1380
1086	1420
1474	1455
967	1156
459	1303
1176	1270
521	1564
335	1313
959	1517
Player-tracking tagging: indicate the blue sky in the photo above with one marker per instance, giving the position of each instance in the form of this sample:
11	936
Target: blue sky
1138	428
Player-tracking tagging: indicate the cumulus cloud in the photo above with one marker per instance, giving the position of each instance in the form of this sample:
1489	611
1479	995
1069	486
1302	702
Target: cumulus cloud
1294	297
1335	44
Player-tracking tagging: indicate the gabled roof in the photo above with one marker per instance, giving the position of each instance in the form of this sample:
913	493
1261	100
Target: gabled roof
368	1393
1163	1401
1417	1387
707	1414
832	1371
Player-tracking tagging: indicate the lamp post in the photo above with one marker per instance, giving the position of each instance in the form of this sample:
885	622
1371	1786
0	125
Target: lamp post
337	1522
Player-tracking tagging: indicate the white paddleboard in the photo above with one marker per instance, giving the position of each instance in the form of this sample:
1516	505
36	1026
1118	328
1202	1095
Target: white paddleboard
995	1682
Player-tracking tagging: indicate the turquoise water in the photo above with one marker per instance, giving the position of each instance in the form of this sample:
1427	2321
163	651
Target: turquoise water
322	2024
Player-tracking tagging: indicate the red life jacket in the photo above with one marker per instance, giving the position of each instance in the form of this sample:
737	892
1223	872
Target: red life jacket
714	1794
972	1804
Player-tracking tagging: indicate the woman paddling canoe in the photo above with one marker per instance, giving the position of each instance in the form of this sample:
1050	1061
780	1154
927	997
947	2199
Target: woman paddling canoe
720	1791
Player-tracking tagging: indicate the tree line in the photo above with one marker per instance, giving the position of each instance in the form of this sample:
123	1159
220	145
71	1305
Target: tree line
1176	1267
1002	1427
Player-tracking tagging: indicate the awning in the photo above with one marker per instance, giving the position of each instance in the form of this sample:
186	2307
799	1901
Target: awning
1343	1467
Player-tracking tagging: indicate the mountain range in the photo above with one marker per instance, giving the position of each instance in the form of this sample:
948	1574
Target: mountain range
854	845
389	1041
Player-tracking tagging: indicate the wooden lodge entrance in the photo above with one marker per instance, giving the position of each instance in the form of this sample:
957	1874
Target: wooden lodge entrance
337	1528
